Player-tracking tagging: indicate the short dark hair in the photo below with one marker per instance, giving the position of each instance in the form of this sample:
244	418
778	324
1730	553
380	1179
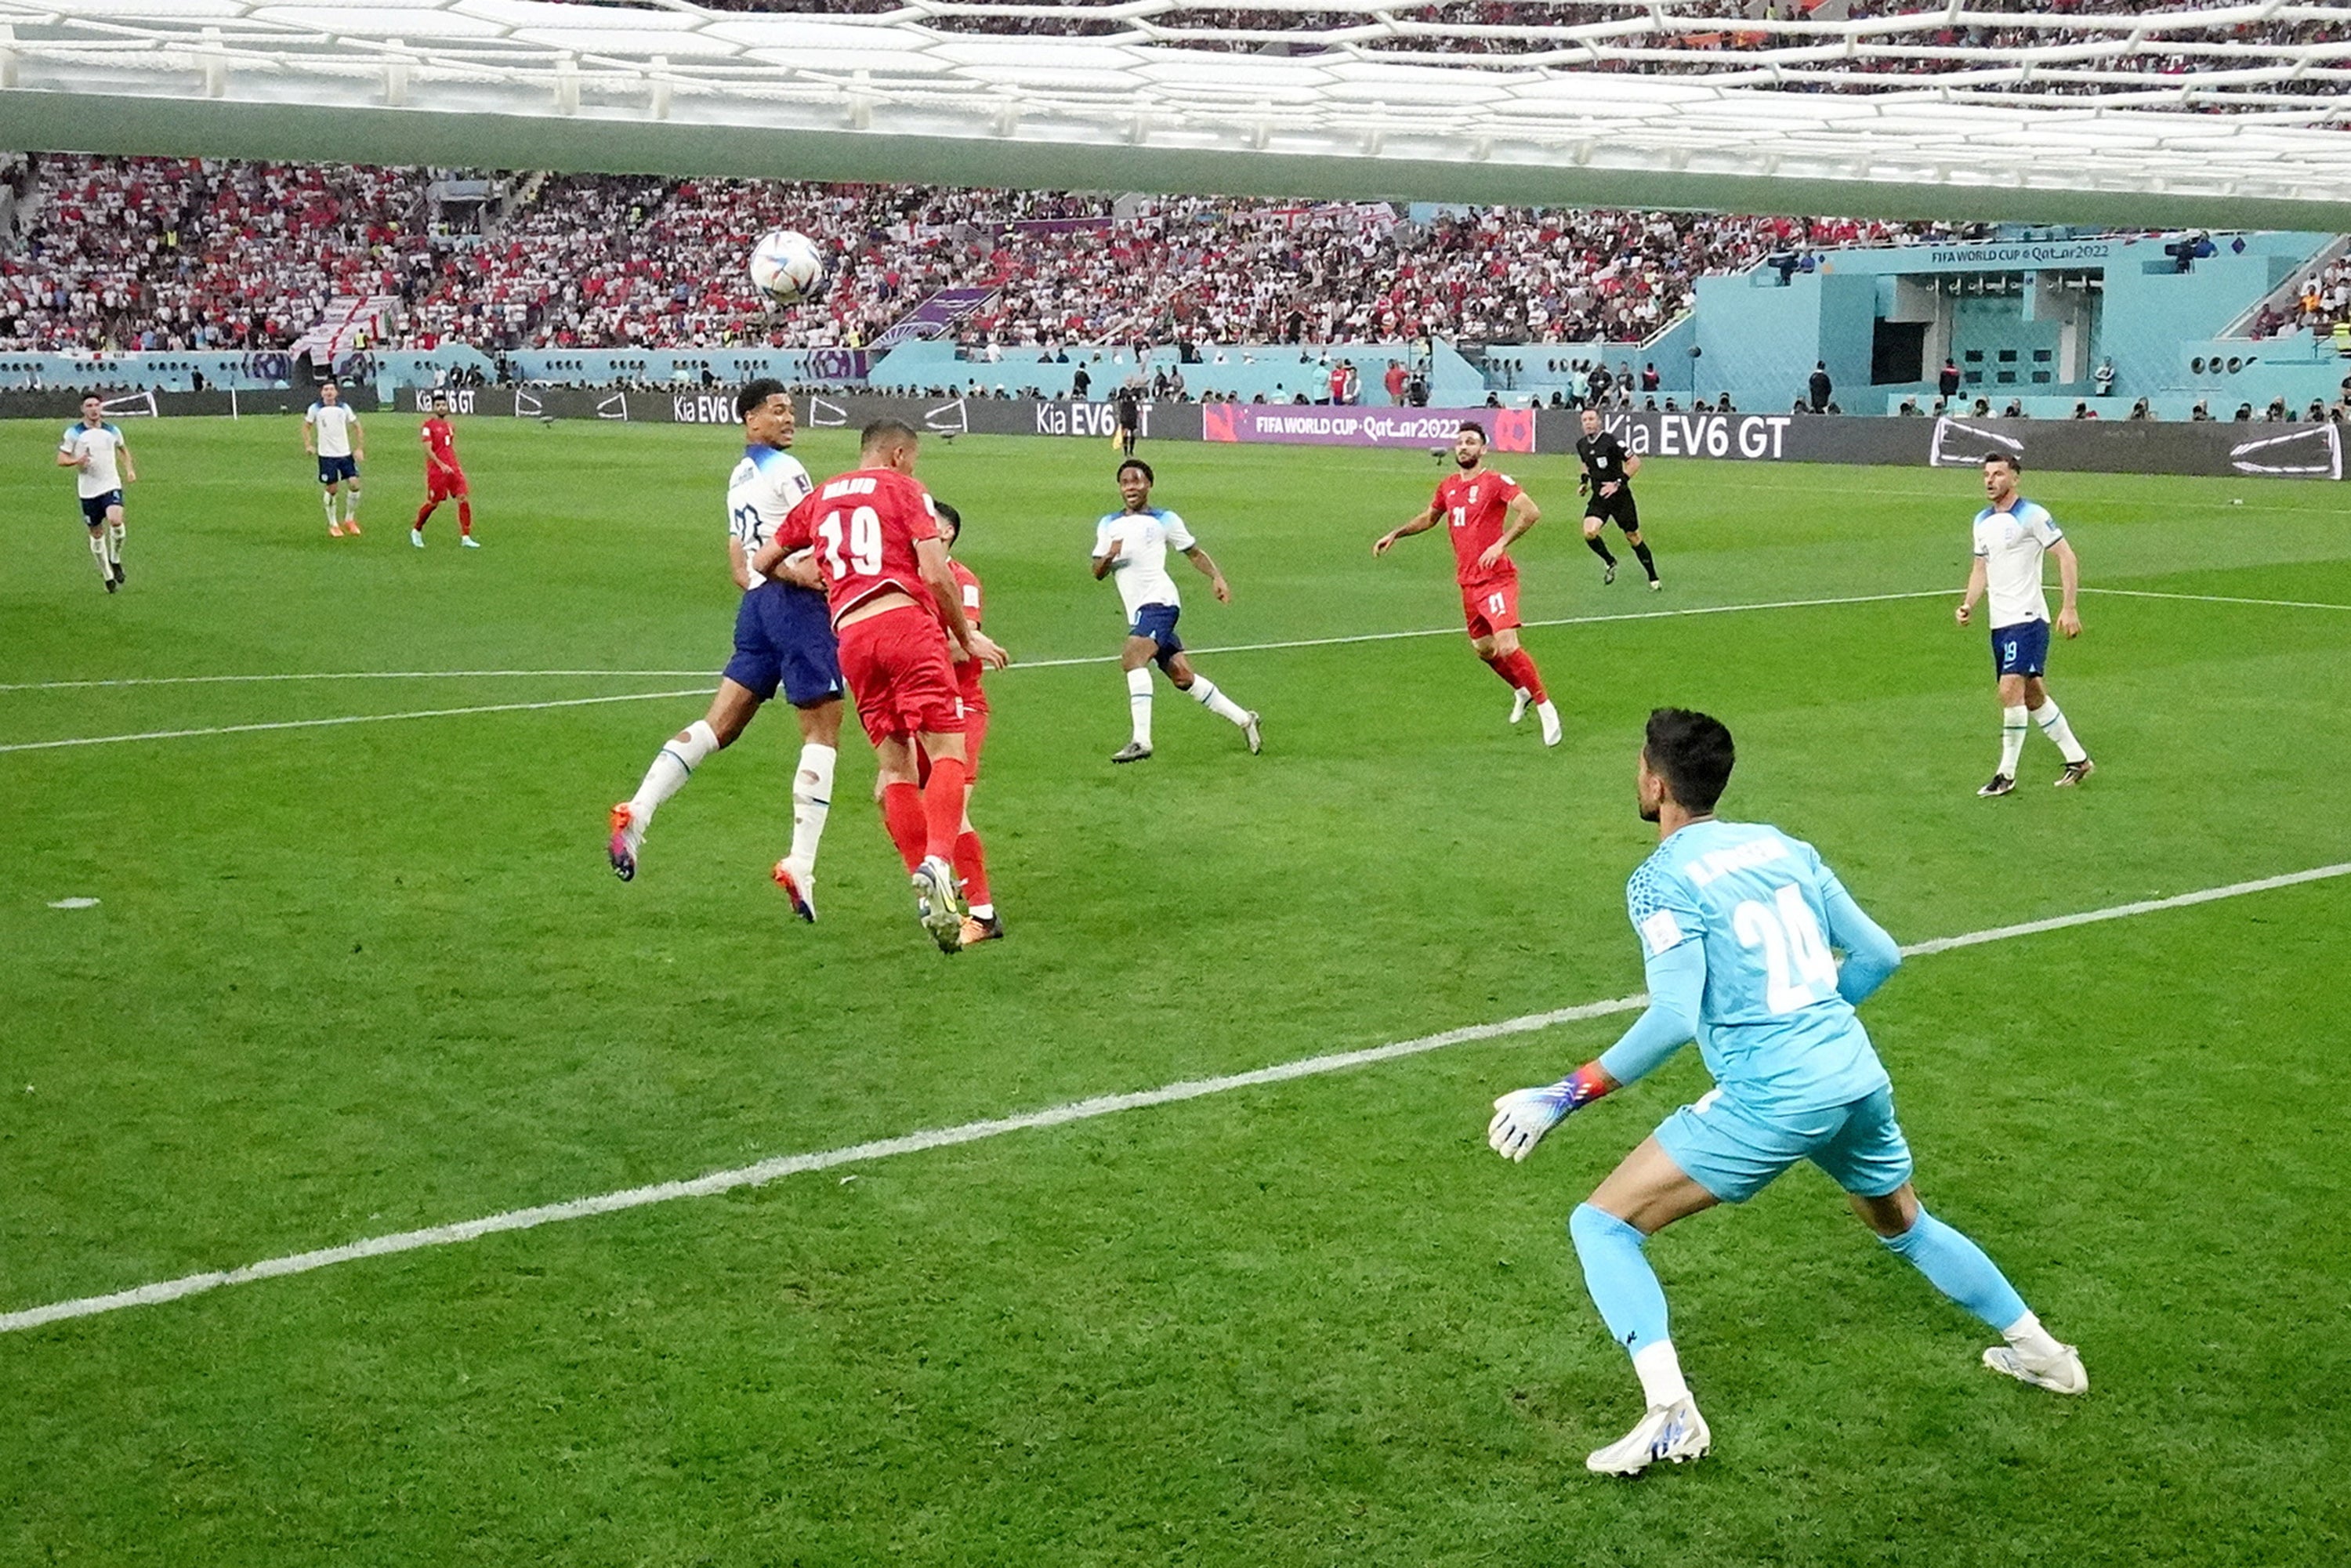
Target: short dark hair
754	393
1469	424
1139	466
887	432
1692	753
2015	464
947	513
440	397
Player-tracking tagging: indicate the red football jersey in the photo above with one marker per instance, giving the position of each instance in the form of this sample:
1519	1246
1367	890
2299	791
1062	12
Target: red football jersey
968	672
864	525
1473	508
441	444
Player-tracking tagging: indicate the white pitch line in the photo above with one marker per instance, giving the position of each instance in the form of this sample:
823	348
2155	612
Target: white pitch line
333	676
343	720
2219	599
927	1139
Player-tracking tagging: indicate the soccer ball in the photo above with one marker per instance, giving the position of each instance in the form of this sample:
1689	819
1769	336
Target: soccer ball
786	267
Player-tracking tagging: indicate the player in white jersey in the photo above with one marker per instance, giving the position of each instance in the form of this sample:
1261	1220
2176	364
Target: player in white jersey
783	636
1133	543
102	457
331	433
2011	534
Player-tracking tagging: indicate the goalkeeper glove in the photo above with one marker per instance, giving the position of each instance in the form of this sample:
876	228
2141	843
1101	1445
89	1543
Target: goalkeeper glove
1523	1117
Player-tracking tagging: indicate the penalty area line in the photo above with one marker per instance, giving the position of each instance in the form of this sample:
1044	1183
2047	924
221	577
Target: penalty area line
925	1140
342	719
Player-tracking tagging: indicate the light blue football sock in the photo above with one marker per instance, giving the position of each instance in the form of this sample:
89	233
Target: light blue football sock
1617	1273
1958	1267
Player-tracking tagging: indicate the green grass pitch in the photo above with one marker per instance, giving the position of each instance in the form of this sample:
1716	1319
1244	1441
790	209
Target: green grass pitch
348	980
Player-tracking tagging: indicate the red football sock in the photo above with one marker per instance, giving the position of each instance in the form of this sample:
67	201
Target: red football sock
1504	665
1523	676
424	512
464	517
942	806
971	867
902	813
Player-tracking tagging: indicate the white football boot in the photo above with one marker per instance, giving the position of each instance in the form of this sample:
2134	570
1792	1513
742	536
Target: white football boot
1518	704
2060	1375
1670	1432
1551	725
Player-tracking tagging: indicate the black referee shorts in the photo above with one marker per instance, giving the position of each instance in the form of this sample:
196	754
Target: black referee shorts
1617	509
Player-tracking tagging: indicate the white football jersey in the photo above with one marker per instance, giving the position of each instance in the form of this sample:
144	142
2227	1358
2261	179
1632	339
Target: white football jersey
766	486
102	445
1144	539
2011	544
333	423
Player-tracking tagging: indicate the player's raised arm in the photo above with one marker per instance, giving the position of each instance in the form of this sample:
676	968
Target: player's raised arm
1975	591
1207	565
1420	524
2069	579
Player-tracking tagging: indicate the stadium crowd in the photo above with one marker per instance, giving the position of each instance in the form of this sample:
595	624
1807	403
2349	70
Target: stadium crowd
179	253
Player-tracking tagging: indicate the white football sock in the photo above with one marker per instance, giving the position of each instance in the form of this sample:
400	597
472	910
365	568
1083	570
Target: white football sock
1660	1371
811	802
983	911
2052	724
114	542
351	502
671	769
2012	738
1138	704
1203	692
98	554
328	497
2027	1336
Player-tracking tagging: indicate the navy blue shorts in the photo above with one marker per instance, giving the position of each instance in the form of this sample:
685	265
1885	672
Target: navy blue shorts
1157	622
338	470
783	634
93	507
2022	649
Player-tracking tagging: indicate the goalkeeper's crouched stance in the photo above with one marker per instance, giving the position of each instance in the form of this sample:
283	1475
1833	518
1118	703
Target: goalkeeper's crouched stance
1740	925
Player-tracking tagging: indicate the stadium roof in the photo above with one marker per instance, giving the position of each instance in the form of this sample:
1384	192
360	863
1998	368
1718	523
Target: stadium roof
2206	115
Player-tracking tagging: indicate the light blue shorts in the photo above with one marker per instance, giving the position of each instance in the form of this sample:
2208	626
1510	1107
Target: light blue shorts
1735	1152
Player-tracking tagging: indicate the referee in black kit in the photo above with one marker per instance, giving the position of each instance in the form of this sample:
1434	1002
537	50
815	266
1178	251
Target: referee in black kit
1608	471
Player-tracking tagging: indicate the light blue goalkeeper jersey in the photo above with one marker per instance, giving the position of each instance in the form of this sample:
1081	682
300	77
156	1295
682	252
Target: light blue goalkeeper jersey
1774	1032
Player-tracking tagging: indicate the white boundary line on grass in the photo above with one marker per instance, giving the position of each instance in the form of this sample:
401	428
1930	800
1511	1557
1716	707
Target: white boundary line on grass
2218	599
927	1139
342	719
332	675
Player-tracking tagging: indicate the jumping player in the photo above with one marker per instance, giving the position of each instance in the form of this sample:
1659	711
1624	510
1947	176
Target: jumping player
1487	512
332	433
100	458
1738	923
782	636
981	924
1607	478
885	574
1133	543
2011	536
444	479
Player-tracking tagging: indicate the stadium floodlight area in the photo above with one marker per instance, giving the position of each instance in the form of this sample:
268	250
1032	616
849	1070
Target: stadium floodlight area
2105	112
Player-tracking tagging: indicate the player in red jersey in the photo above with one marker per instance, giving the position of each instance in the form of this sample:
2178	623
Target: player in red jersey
1487	512
981	924
445	480
886	577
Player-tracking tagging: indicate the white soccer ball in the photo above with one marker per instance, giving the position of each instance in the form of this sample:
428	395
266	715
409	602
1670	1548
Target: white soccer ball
786	267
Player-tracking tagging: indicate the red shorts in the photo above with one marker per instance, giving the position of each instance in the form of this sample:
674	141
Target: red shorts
439	486
898	671
1490	606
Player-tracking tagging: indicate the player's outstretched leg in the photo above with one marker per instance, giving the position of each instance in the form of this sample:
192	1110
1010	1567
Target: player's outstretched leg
465	523
334	523
98	558
2011	747
2053	724
811	804
1958	1267
351	506
1648	562
980	923
114	546
1599	547
671	767
1204	691
942	802
416	529
1625	1290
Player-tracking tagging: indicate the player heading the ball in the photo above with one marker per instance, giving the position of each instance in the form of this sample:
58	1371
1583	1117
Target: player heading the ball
1131	544
1487	513
1739	925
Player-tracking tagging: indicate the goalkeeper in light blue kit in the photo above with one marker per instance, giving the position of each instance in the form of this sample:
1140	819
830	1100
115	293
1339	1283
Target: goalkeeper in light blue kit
1738	924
